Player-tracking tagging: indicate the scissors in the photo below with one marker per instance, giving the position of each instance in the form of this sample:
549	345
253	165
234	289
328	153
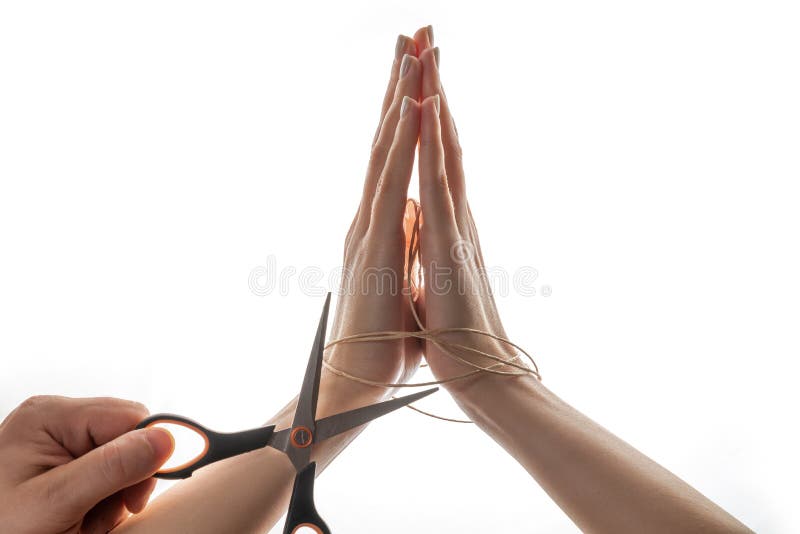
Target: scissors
295	442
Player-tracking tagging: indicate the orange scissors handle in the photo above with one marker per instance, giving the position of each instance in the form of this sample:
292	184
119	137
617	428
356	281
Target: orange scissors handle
217	446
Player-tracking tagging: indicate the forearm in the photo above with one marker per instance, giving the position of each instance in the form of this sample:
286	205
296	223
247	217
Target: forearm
250	492
601	482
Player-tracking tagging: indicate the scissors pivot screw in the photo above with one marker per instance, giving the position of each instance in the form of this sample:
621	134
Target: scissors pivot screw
301	437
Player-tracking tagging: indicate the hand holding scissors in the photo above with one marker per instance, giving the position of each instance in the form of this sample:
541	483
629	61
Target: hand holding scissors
296	442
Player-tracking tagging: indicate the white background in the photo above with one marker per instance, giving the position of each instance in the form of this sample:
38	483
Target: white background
642	157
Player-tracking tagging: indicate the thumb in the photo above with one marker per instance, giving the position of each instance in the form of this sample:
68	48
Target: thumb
123	462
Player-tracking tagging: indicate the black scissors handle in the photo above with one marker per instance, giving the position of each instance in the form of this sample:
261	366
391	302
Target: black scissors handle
302	511
218	445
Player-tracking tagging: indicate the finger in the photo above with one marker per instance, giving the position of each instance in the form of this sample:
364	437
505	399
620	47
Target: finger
137	496
411	221
125	461
423	38
408	85
404	45
409	224
392	189
431	85
80	425
437	205
101	519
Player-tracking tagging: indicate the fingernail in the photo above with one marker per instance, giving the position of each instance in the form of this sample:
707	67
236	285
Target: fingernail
161	440
405	106
400	46
436	56
405	65
436	103
430	34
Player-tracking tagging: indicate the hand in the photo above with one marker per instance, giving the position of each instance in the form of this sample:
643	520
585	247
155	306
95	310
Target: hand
374	289
72	465
456	292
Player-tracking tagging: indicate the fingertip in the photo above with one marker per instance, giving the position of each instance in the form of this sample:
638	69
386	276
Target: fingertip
409	108
430	106
140	409
404	45
409	65
423	38
430	58
137	496
161	441
410	217
404	107
412	205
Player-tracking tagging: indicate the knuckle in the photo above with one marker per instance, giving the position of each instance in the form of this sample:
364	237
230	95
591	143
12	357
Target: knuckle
379	188
455	152
387	193
439	183
390	181
139	407
379	152
382	238
352	229
53	498
354	234
428	143
28	410
37	402
113	466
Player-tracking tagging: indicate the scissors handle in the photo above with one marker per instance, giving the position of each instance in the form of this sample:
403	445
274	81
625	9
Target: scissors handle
218	445
302	512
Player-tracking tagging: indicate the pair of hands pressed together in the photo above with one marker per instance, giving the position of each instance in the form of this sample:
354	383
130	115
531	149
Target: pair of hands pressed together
76	466
415	109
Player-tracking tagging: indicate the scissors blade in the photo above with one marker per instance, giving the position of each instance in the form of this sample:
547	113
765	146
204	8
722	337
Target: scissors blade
336	424
306	410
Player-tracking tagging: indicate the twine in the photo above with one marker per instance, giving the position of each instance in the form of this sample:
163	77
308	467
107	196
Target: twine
434	336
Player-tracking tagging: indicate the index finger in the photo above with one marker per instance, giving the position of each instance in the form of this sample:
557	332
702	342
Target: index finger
80	425
405	45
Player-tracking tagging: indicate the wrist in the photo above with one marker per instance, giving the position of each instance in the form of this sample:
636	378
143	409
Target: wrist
338	394
486	394
357	371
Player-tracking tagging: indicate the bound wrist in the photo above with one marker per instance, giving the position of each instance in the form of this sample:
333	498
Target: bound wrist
338	394
484	394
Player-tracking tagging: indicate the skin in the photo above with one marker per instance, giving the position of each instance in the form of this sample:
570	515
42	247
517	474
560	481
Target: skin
601	482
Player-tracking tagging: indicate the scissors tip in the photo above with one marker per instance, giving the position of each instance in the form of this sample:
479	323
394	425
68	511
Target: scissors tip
323	320
424	393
